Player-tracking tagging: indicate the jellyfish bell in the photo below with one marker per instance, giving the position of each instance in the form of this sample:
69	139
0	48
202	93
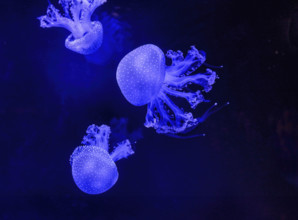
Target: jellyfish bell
93	169
141	73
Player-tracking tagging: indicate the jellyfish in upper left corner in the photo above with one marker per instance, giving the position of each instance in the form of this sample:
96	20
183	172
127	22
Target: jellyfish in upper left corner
86	36
93	164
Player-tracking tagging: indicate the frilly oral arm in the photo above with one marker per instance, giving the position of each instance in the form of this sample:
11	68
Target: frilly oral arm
203	79
184	66
97	136
193	98
54	19
122	150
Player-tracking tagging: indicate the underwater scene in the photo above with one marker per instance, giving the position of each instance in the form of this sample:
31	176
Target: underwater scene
158	109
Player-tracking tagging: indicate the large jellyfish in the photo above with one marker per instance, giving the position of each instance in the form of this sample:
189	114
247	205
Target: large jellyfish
86	35
145	79
93	167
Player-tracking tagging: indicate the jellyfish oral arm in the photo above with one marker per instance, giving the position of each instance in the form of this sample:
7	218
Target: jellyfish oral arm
193	98
184	66
55	19
81	10
97	136
162	113
203	79
168	121
122	150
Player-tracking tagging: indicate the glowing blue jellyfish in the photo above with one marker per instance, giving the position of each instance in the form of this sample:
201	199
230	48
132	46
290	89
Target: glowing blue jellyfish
93	167
86	35
144	78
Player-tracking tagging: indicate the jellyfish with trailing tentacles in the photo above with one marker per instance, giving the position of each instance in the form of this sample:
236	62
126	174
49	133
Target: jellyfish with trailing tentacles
145	79
93	167
86	35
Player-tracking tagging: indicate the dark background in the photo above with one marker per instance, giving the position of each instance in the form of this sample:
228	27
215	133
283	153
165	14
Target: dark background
245	168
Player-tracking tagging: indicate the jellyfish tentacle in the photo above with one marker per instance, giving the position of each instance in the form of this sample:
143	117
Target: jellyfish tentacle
178	74
193	98
156	116
172	119
213	66
185	66
80	9
211	111
150	119
66	4
97	136
55	19
122	150
160	116
206	80
182	119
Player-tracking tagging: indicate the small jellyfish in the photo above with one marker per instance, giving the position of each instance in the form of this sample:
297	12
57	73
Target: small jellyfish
86	35
145	79
93	168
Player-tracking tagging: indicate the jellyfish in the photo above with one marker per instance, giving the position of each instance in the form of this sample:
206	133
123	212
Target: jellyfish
93	168
86	35
145	79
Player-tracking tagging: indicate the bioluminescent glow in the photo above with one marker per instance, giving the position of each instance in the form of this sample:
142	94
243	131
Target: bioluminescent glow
144	78
86	35
93	167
